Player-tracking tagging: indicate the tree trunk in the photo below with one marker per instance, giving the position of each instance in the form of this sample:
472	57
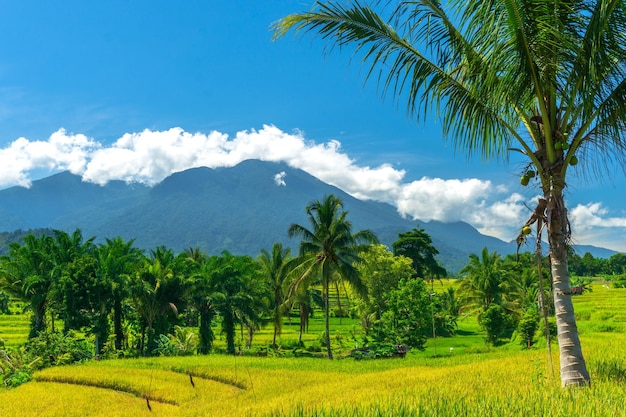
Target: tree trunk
118	329
229	330
326	278
573	367
38	320
205	331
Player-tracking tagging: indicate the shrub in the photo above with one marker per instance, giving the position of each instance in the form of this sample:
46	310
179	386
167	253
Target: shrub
527	328
497	323
59	349
16	368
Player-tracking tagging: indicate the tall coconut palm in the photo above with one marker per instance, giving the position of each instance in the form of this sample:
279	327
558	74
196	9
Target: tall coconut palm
276	268
544	76
328	247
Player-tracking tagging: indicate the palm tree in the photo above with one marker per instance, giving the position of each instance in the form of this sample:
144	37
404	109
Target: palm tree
276	267
546	75
237	293
329	247
486	282
157	292
27	273
117	260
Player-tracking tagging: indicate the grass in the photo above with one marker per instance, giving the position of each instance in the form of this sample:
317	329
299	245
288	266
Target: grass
472	381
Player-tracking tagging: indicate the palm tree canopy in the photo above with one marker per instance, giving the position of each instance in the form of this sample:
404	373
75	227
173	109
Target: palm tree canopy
330	243
498	72
486	281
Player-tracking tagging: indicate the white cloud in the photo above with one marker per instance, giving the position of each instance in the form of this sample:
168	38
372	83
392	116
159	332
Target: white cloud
150	156
61	151
279	179
593	215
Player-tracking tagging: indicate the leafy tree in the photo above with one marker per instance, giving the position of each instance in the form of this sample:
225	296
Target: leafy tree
448	308
86	298
407	319
329	246
545	75
305	299
199	290
417	245
381	272
238	293
276	268
590	264
527	327
616	264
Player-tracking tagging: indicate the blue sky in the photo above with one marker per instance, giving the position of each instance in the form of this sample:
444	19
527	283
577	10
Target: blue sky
138	90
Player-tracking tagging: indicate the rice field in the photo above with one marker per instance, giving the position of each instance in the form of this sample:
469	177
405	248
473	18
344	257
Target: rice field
470	381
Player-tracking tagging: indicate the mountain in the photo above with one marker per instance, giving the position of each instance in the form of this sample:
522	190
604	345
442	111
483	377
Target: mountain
240	209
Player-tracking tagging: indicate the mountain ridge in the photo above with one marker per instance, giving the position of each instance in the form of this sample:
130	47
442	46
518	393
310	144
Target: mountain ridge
241	209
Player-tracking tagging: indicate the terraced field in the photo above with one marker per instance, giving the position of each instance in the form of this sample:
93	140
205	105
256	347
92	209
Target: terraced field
470	381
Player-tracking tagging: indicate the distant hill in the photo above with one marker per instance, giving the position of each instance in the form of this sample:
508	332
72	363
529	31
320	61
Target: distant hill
240	209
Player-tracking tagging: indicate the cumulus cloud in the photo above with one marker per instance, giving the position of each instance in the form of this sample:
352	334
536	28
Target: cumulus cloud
150	156
61	151
593	215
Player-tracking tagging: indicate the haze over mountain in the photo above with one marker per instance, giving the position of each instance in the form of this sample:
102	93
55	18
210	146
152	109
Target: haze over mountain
240	209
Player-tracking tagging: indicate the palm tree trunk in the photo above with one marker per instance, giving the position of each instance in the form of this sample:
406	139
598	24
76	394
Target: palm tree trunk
205	331
117	323
229	330
38	320
573	367
326	278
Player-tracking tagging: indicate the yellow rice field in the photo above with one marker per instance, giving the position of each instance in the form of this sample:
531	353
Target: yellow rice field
499	382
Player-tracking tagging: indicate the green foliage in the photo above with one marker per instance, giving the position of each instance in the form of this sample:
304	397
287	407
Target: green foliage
619	281
378	351
527	327
408	316
381	271
417	245
4	303
497	323
329	251
56	348
16	367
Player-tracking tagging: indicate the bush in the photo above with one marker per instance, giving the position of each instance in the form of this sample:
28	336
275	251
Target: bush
59	349
183	342
16	367
527	328
497	323
379	351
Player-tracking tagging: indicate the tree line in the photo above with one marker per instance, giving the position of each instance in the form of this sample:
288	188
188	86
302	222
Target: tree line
133	302
128	299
